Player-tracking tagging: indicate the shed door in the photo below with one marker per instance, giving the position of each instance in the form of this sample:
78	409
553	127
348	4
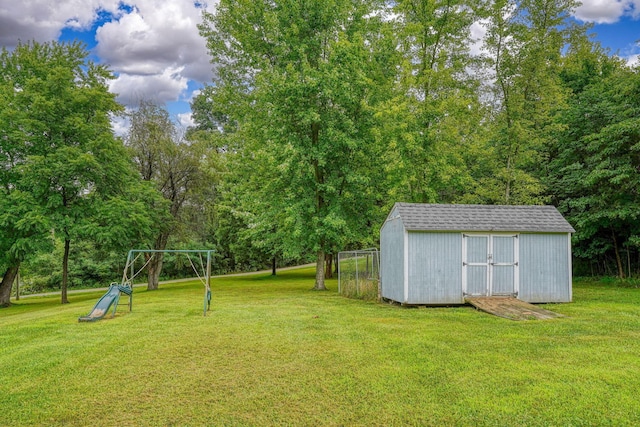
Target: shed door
490	265
503	265
476	265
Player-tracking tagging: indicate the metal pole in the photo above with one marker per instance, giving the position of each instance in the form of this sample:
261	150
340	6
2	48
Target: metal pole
133	271
131	260
339	278
207	291
367	271
357	283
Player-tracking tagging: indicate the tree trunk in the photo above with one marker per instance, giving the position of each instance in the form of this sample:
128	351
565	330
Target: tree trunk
507	190
628	262
618	259
319	286
273	266
319	208
7	283
65	271
328	272
155	267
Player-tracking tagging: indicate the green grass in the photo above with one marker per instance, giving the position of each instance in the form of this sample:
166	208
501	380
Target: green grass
273	352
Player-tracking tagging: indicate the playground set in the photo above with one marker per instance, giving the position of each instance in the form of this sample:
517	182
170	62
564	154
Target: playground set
111	299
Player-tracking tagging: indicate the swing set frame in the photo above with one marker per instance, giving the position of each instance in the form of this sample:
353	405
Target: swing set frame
134	254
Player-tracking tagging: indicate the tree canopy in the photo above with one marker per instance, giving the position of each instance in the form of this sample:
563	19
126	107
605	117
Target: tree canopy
334	110
320	116
172	165
63	169
298	80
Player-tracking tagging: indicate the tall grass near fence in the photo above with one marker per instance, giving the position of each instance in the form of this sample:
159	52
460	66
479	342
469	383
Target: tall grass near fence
359	274
273	352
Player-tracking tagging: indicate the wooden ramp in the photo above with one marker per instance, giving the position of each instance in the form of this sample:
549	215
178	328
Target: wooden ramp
511	308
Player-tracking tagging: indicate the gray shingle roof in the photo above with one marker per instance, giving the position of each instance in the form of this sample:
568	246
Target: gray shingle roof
431	217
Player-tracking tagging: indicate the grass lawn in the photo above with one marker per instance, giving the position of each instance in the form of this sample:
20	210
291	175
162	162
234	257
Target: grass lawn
273	352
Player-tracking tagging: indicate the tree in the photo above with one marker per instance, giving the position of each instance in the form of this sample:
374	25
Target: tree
24	231
171	164
523	46
429	122
22	225
63	165
299	78
595	174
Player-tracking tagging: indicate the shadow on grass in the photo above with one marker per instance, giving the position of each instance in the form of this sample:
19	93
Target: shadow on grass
289	282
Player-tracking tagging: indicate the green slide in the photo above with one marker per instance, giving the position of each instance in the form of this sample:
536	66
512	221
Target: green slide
105	302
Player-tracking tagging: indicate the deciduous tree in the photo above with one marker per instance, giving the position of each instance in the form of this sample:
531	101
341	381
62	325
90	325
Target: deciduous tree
298	79
524	44
62	165
595	174
172	164
429	121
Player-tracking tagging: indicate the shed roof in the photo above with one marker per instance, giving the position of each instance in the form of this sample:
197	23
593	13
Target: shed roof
433	217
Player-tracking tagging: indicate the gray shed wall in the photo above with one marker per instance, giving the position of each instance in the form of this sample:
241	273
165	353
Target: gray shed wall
545	268
392	259
435	273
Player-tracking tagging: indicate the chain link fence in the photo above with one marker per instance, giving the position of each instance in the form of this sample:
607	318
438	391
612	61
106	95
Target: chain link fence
359	274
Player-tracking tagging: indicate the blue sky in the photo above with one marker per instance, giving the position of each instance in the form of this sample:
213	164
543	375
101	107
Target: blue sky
152	46
155	50
622	37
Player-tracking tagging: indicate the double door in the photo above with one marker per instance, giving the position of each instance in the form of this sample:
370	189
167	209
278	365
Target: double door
490	264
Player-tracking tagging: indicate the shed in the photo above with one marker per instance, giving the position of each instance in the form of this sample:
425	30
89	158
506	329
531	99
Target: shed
432	254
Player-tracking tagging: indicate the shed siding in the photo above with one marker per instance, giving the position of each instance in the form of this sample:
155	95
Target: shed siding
392	259
435	268
545	268
422	253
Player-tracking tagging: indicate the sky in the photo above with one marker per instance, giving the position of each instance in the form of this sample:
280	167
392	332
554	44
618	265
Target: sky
154	48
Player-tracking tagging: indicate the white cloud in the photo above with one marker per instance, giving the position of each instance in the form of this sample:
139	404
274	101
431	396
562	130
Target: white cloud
633	60
42	20
153	46
120	125
161	87
478	31
606	11
193	95
155	36
186	120
635	11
